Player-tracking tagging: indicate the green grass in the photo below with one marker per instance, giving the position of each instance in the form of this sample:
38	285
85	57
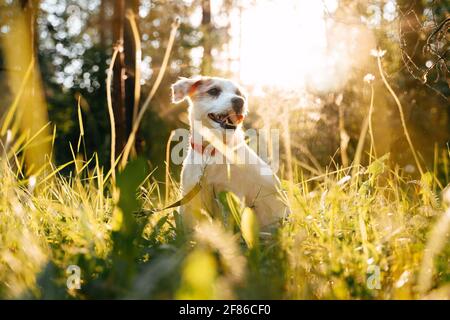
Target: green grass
343	230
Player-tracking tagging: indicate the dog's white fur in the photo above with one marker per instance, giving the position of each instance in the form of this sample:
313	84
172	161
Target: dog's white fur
261	192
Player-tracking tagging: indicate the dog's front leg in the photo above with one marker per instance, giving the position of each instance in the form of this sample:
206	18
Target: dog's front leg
199	206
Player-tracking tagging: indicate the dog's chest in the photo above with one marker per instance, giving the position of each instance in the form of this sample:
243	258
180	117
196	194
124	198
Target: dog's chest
244	180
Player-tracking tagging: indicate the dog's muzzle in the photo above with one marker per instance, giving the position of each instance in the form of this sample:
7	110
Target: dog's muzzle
227	121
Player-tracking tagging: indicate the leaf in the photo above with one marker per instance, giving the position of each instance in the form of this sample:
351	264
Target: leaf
158	227
199	276
378	166
232	204
128	182
250	228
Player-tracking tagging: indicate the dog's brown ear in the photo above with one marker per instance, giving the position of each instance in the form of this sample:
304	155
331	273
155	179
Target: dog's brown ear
184	88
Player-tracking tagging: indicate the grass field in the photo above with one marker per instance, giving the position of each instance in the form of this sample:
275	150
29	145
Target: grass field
373	234
330	75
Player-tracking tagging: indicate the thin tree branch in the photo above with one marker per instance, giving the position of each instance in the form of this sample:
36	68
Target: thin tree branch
117	49
155	87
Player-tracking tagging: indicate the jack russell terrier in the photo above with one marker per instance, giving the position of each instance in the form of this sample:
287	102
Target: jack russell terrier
219	105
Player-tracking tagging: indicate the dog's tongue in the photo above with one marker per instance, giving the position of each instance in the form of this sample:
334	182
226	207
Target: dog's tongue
237	118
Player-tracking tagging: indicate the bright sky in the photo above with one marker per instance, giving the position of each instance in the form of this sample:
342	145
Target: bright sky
282	41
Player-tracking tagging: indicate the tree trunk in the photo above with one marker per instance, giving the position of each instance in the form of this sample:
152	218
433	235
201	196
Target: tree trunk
30	117
119	77
343	136
206	27
132	52
102	24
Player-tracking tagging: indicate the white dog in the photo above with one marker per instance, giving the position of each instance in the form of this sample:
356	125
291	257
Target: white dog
218	105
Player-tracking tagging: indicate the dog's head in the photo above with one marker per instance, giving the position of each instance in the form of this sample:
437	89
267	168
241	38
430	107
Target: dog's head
218	103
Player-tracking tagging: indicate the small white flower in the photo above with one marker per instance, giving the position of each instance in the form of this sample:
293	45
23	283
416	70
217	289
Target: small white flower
369	78
404	278
323	199
343	180
409	168
312	194
377	52
31	183
8	136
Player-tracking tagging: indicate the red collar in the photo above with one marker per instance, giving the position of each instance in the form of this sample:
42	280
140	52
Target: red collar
201	148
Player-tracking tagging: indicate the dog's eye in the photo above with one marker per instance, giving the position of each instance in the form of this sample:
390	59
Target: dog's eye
214	92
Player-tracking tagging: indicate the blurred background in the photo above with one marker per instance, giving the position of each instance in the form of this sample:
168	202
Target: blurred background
345	81
310	68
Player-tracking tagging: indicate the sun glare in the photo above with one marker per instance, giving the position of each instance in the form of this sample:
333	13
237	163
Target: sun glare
283	42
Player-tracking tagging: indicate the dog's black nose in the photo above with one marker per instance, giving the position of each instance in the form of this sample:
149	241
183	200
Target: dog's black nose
238	104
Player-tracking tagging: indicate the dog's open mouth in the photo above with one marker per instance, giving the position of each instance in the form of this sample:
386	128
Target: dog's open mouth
227	120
